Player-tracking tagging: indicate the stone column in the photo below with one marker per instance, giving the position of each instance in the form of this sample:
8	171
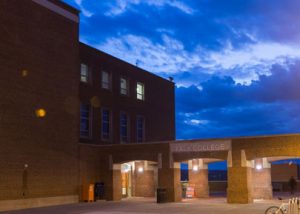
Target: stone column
239	178
198	175
261	179
144	179
169	179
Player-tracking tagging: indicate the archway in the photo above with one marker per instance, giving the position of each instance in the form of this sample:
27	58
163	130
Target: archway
270	177
195	180
139	178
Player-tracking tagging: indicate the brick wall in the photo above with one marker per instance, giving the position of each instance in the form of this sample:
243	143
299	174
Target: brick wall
39	61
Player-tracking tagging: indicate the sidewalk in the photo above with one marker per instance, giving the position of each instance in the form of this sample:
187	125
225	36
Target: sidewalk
149	206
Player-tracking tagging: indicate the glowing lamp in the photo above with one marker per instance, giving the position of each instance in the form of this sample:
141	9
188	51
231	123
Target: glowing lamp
24	73
195	168
40	112
140	169
258	167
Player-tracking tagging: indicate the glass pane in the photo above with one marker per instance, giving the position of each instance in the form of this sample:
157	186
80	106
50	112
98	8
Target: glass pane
84	120
105	80
83	73
104	76
105	124
123	83
140	91
123	86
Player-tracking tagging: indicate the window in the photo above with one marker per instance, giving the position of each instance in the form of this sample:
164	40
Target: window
105	80
124	127
140	125
84	73
105	124
140	91
124	86
85	116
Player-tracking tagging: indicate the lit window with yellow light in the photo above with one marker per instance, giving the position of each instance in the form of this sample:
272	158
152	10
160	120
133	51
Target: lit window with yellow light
140	91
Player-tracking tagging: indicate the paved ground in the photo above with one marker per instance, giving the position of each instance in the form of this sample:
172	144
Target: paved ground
149	206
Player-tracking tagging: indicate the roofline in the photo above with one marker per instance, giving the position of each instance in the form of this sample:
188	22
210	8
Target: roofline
136	67
66	6
186	141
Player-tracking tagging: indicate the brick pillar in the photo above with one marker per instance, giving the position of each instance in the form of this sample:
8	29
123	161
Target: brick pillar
169	178
261	179
144	179
239	178
198	175
113	183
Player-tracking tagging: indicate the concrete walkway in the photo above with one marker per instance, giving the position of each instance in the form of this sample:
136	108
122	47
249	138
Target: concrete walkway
148	205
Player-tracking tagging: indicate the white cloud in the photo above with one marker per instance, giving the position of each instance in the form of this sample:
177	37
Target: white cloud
196	122
120	6
84	11
170	57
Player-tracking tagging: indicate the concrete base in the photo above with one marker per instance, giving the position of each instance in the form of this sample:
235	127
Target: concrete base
37	202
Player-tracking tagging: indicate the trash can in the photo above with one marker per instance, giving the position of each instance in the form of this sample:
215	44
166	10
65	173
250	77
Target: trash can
99	190
161	196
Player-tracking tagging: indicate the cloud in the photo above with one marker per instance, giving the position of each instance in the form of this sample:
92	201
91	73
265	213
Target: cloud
119	7
170	57
270	105
83	10
235	63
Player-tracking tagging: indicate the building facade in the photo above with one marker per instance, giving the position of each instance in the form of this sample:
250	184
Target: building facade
124	103
71	116
56	94
39	54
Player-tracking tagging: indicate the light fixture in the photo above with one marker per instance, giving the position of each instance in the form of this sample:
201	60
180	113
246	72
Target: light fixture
195	168
40	112
140	169
258	166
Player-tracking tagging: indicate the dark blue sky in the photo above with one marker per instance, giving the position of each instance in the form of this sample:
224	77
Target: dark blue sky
236	63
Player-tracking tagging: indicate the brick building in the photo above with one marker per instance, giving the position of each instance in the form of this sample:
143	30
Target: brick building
71	115
57	94
126	104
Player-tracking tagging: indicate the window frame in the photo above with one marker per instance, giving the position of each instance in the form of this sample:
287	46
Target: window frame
89	136
137	129
110	134
143	91
109	80
127	127
88	73
127	86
